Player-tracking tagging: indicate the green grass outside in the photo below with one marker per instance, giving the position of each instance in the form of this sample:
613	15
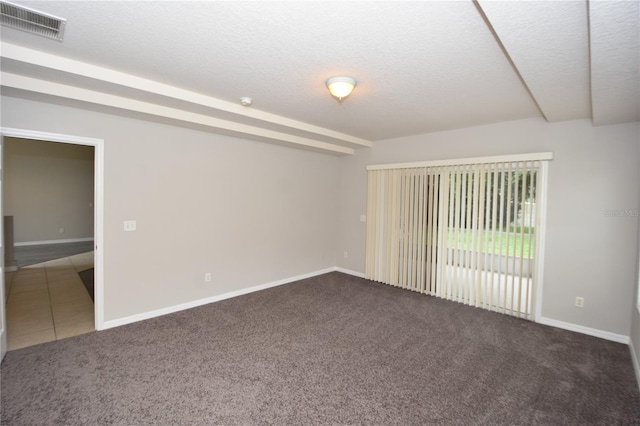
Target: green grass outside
513	247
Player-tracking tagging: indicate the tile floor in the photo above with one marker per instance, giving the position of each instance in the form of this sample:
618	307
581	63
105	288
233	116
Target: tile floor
48	301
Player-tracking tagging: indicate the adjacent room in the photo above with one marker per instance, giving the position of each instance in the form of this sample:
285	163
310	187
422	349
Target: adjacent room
320	212
48	209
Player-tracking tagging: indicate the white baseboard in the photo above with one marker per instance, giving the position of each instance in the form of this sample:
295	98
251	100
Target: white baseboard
205	301
38	243
585	330
636	364
349	272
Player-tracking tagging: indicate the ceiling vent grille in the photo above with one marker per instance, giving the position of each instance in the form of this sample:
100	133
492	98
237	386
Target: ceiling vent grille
31	21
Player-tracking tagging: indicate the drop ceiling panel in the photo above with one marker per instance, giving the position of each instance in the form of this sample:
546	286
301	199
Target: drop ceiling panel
615	61
549	45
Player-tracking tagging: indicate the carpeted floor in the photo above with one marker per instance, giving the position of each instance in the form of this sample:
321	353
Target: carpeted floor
333	349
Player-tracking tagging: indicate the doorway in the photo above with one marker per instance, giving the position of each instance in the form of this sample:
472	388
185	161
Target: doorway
58	267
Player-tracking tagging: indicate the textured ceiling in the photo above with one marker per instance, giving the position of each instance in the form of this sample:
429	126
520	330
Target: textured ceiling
548	43
421	66
615	59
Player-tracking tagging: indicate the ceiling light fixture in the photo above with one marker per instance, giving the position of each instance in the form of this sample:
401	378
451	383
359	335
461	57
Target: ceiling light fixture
341	87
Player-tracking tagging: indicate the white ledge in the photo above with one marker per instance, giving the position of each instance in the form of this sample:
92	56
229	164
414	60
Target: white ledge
85	70
29	84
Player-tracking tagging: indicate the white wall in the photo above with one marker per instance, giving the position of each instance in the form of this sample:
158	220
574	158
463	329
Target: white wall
48	186
587	253
250	213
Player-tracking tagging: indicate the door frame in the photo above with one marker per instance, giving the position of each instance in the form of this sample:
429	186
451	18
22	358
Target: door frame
98	219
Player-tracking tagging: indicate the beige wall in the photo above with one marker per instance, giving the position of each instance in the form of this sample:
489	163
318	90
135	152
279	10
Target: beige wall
250	213
587	253
635	310
48	186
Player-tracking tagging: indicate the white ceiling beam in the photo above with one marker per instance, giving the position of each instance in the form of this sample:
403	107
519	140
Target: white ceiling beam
548	44
29	84
82	69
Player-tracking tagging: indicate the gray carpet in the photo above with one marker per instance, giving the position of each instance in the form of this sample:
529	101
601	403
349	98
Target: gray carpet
332	349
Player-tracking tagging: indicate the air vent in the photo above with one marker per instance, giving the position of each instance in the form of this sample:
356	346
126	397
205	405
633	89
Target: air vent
31	21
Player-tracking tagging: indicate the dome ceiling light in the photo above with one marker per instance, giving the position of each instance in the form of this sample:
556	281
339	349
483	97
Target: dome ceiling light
341	86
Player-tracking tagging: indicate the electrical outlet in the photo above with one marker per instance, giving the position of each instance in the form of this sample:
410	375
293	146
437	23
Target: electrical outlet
61	230
346	254
130	225
207	277
580	302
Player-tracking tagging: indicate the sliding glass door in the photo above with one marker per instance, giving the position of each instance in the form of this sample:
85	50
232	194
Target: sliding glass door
464	232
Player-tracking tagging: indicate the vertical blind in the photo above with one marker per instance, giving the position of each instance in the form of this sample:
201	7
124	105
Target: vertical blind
464	232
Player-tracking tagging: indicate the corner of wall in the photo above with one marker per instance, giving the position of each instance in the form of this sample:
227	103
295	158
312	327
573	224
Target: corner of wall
634	359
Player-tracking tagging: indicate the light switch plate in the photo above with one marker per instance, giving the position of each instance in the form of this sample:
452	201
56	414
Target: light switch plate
130	225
